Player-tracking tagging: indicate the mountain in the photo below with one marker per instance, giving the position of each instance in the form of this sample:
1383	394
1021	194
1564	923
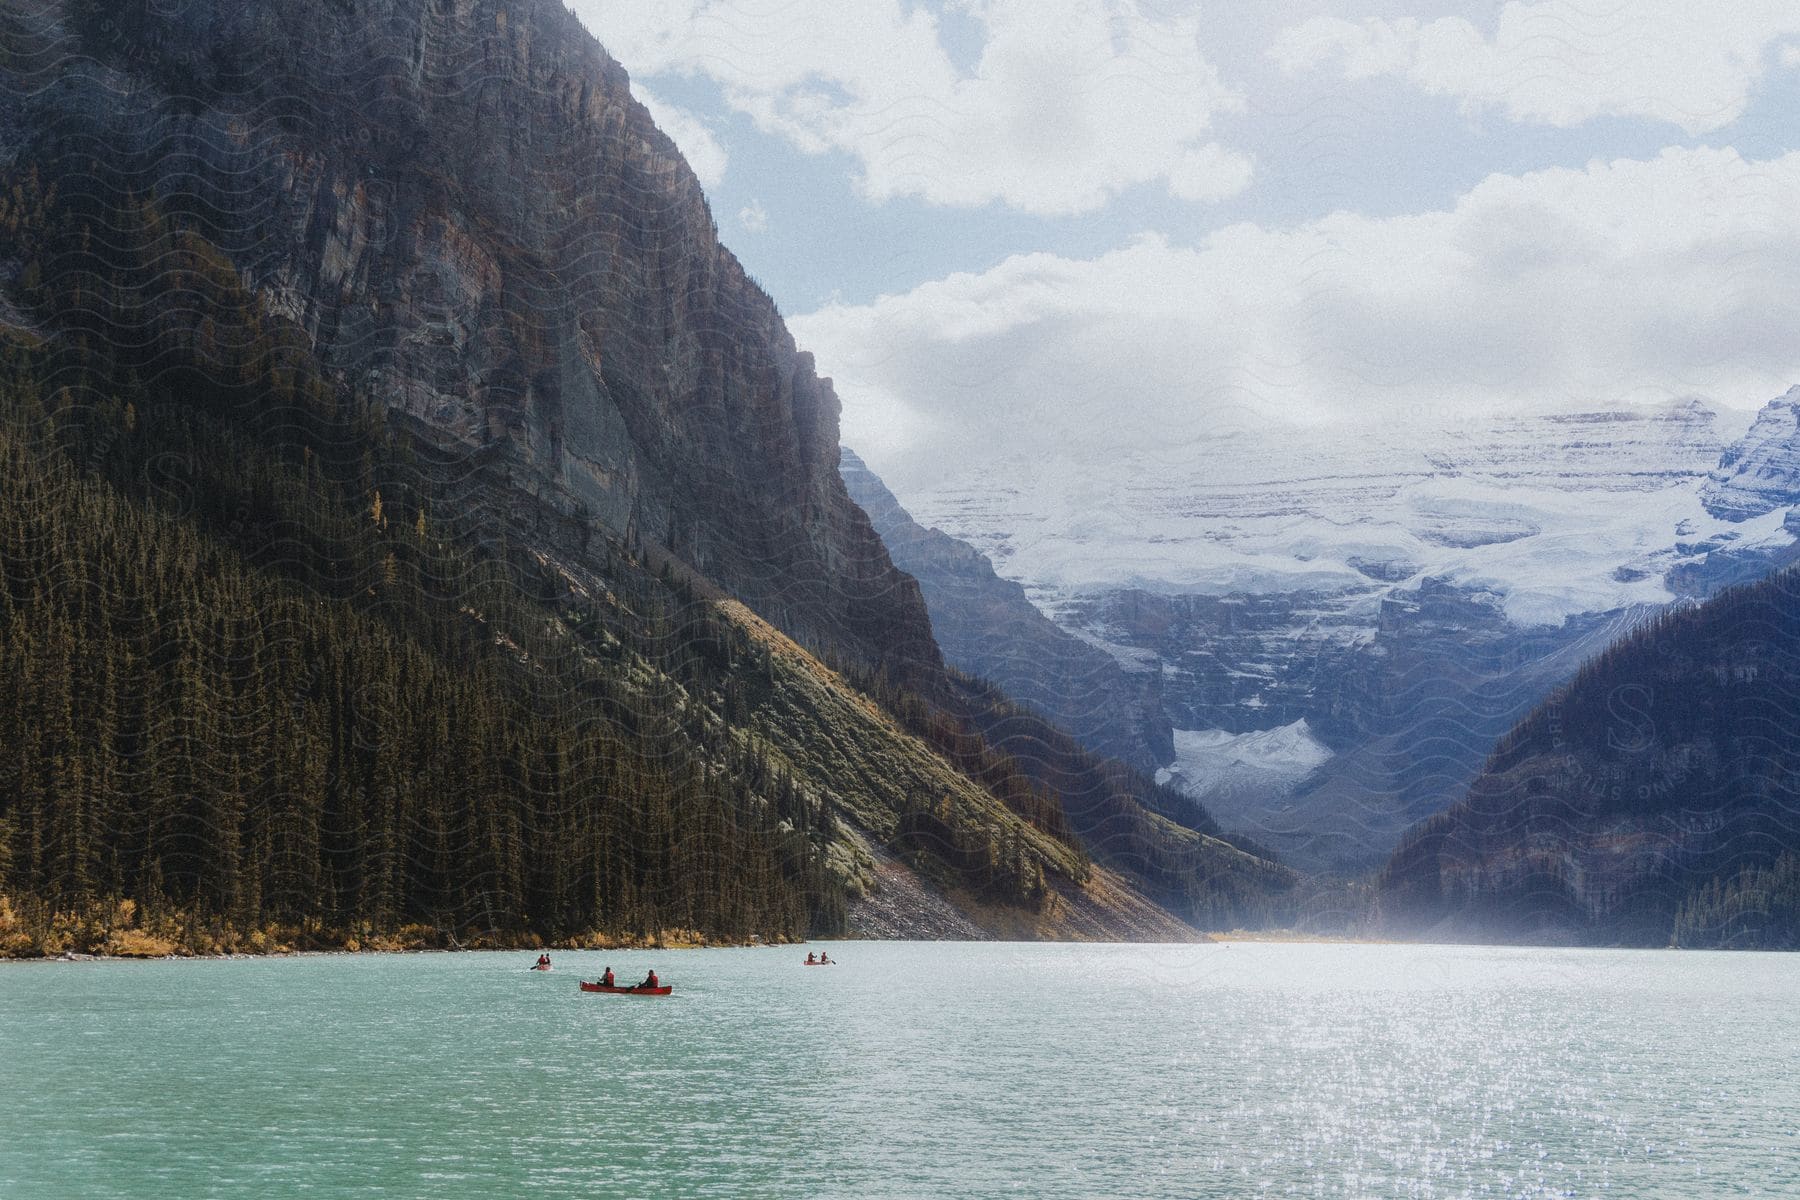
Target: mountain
1065	714
1761	472
987	627
1410	592
420	530
469	217
1651	800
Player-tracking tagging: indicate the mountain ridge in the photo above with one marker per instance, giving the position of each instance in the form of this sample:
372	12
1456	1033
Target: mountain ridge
550	294
1647	802
1409	604
988	627
507	401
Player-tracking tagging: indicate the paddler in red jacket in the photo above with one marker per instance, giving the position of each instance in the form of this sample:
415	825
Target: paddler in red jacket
606	980
649	980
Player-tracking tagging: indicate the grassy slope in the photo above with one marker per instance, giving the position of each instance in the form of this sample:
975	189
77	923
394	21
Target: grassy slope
874	770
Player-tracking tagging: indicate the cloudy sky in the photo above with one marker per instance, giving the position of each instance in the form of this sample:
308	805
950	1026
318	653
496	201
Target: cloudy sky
1119	225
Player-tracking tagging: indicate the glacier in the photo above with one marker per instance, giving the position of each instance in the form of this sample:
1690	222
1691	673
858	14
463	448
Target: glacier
1401	592
1223	770
1558	514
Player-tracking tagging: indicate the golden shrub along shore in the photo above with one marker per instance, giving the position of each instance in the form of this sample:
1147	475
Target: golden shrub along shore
126	932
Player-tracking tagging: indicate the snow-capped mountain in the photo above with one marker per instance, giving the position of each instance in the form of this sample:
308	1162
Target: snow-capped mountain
1543	511
1406	592
1761	473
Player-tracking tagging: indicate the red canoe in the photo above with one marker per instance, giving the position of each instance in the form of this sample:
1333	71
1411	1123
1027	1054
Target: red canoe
664	990
832	963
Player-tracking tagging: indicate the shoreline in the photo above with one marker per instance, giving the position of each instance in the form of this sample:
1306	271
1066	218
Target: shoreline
76	956
1203	938
1302	938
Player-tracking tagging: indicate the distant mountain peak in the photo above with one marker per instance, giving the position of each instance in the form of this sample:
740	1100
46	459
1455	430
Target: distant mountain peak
1760	472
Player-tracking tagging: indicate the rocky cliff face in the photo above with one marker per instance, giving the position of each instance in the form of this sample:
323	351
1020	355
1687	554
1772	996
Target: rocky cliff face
481	230
987	627
1761	472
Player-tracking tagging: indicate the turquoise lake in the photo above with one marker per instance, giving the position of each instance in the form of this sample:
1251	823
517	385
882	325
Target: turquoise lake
909	1070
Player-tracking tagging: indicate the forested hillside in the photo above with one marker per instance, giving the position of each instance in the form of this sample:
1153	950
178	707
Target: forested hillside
255	679
1652	800
294	654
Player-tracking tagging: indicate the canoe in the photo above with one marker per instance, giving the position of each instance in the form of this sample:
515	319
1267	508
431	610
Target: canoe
664	990
540	967
832	963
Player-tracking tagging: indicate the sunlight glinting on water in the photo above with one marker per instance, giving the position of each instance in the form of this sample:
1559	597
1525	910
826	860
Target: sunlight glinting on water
910	1070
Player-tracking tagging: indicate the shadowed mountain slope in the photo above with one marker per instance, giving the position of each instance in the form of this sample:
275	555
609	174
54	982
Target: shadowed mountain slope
1650	800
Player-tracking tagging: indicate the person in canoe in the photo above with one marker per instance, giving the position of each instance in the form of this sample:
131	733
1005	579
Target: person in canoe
824	959
812	959
649	980
606	980
543	961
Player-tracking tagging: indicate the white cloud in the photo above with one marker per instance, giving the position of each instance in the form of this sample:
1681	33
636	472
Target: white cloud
1624	282
1210	172
754	217
1562	62
690	135
1070	101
